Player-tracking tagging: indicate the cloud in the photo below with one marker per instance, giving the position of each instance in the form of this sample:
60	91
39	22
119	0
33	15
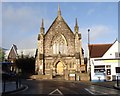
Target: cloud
23	18
20	24
28	42
96	33
90	11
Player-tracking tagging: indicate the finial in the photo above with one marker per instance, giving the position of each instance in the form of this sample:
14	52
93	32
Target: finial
76	22
59	11
42	27
42	24
76	28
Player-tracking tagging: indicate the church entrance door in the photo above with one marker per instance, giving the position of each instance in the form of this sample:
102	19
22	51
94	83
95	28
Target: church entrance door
60	68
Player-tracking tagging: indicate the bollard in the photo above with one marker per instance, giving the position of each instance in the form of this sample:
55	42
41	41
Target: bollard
19	82
16	82
4	76
4	81
117	82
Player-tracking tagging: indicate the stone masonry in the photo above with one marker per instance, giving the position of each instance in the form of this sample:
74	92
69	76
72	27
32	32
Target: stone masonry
59	49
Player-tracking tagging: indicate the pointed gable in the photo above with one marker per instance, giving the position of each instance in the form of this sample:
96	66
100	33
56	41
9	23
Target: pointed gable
58	24
98	50
113	51
58	28
13	52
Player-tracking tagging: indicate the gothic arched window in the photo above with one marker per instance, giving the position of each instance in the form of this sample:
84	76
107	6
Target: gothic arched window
59	44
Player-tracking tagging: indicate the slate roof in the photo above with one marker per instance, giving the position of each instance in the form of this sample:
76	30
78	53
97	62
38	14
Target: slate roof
98	50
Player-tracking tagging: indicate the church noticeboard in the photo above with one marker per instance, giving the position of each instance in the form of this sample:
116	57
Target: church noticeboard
117	69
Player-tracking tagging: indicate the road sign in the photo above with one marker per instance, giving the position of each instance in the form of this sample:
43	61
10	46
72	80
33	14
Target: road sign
56	92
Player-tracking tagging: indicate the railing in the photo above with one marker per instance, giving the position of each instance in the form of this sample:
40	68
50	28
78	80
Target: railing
10	77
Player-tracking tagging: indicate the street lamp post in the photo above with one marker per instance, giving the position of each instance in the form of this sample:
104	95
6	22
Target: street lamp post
89	54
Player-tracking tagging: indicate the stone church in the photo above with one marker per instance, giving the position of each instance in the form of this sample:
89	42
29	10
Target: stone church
59	50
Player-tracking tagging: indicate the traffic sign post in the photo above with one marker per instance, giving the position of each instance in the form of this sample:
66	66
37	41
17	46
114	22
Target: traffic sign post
117	71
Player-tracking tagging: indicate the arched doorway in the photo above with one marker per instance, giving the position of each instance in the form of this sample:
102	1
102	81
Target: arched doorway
60	68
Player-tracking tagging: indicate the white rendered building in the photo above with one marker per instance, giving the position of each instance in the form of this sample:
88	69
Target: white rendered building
104	58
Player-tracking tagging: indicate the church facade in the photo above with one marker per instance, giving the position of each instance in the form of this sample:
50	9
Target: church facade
59	50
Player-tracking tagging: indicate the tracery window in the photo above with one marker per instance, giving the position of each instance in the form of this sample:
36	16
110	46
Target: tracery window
59	45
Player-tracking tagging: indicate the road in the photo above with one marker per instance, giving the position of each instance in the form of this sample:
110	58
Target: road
63	88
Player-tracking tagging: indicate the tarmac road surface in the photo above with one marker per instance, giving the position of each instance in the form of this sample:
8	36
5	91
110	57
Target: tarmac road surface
63	88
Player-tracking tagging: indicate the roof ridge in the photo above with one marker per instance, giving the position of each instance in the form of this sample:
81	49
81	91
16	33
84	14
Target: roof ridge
102	44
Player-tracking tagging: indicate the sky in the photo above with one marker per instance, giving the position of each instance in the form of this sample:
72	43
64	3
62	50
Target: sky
21	21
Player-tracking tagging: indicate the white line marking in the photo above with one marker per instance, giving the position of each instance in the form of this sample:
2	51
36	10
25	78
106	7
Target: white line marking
52	93
26	87
89	91
101	92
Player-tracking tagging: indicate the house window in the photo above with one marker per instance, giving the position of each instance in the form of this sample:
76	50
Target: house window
117	54
100	68
108	71
108	66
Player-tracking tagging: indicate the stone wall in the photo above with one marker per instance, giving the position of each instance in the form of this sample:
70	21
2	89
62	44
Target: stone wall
41	77
57	29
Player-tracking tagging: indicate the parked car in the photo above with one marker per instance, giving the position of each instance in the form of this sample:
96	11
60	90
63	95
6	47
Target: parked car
99	76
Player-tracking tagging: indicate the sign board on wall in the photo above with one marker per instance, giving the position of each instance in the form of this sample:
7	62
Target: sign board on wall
72	74
117	69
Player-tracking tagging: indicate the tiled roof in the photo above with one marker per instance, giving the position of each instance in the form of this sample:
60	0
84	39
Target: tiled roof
98	50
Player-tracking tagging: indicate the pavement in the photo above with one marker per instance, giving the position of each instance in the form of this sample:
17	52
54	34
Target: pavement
108	84
11	86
